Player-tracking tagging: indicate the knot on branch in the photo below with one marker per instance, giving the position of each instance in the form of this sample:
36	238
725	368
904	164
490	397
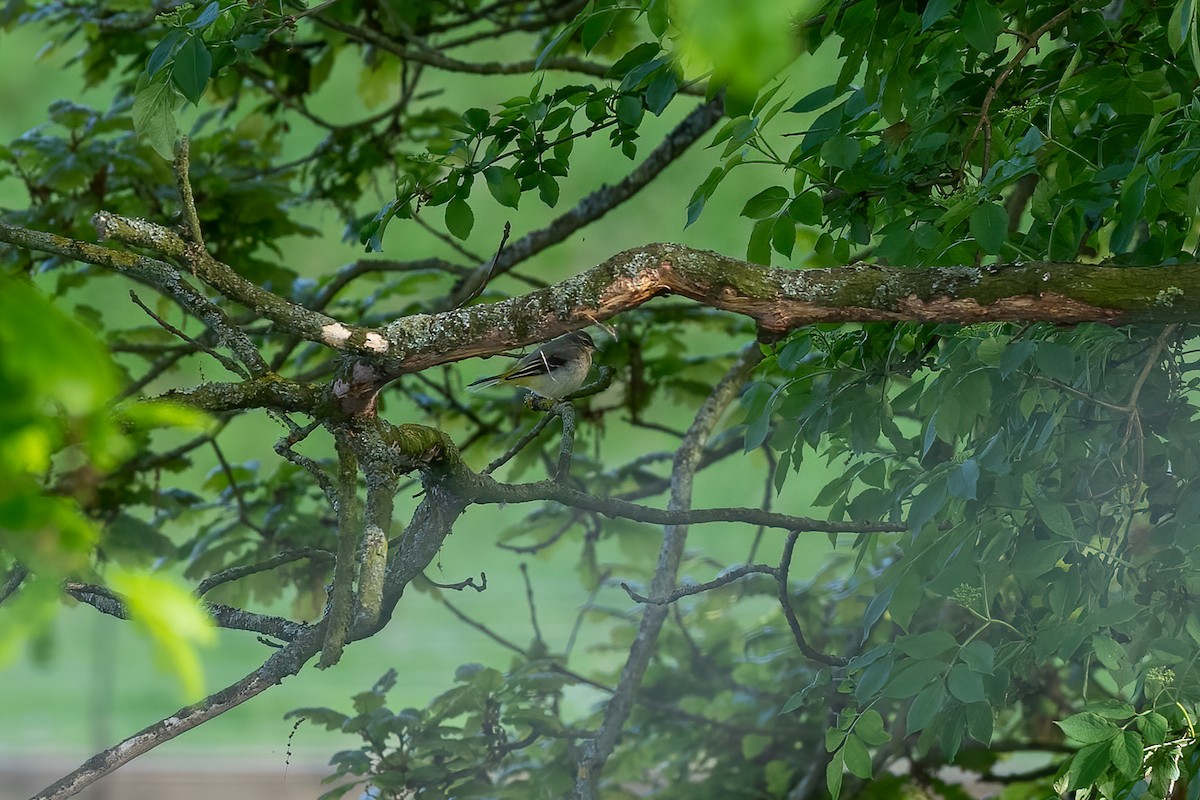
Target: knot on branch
356	389
418	447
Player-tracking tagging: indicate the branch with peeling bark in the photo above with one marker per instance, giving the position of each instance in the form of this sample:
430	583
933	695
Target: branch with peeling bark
779	300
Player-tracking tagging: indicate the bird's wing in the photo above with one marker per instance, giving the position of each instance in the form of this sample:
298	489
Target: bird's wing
537	363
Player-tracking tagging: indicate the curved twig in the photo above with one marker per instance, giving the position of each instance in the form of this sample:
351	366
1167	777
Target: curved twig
236	573
785	602
690	589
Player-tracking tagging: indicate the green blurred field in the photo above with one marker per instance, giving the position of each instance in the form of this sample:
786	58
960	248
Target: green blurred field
98	682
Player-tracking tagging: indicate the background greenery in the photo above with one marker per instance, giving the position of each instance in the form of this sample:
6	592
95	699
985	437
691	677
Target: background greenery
94	664
1020	500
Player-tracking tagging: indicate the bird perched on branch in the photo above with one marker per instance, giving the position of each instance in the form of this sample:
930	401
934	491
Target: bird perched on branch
553	371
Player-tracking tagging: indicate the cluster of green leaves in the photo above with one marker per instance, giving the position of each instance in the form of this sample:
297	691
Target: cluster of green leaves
537	133
82	160
196	48
943	119
476	740
1048	482
1120	745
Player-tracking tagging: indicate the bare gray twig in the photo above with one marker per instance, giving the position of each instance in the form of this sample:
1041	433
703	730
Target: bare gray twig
687	458
724	579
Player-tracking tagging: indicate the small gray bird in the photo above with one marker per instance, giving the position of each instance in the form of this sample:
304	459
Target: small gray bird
554	370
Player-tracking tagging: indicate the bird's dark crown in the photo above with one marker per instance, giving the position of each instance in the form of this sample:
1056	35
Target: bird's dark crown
579	337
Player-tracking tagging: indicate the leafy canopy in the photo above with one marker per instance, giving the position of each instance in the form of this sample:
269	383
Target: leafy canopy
1041	596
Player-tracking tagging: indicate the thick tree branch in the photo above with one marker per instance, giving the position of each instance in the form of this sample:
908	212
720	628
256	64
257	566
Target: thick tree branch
779	300
267	392
483	489
289	316
341	597
377	525
151	272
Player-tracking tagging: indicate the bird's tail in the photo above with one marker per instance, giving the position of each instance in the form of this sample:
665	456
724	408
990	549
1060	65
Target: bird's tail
484	383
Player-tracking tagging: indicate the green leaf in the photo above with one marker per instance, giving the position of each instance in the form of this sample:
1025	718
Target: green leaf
758	249
925	707
989	227
926	645
807	208
630	110
1055	516
817	99
1183	17
965	684
595	27
870	657
154	117
207	16
909	594
858	759
327	717
477	119
876	607
981	24
658	17
833	774
963	479
459	218
872	679
639	55
661	90
753	744
548	189
1015	356
1110	653
979	722
1154	727
503	186
1087	765
979	656
783	235
163	52
1126	753
926	505
174	619
1088	728
746	44
766	203
193	63
869	728
1111	709
913	678
554	44
934	11
841	151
